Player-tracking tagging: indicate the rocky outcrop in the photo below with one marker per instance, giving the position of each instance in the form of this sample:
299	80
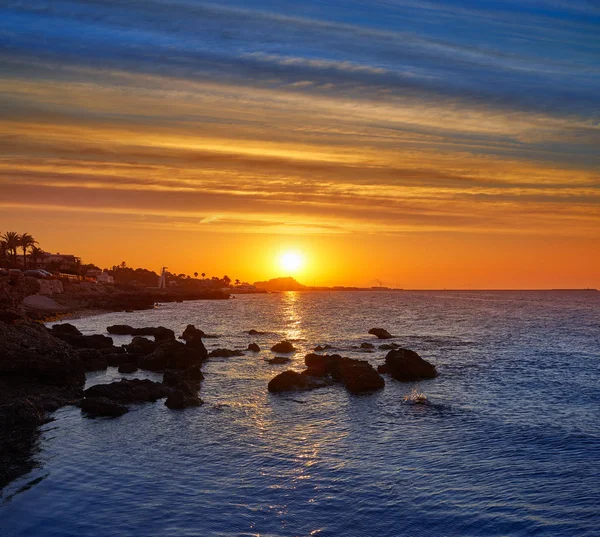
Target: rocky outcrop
38	374
191	331
95	341
175	355
160	333
65	329
253	347
14	290
253	332
380	333
101	406
290	381
129	391
284	347
407	365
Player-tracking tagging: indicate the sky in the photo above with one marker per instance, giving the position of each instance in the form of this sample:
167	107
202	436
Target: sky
421	144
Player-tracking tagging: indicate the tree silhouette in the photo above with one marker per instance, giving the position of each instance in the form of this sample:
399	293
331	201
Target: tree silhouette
35	255
203	275
12	239
237	282
195	275
26	241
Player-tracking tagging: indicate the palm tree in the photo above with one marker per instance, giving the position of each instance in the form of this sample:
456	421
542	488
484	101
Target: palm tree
237	282
35	255
26	241
12	239
195	275
203	274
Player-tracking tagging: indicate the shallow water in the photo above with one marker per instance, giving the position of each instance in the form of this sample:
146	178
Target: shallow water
508	444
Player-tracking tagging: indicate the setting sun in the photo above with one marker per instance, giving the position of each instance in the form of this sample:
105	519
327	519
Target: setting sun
291	262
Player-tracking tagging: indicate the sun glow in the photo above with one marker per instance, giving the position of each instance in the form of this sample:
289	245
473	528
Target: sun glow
292	262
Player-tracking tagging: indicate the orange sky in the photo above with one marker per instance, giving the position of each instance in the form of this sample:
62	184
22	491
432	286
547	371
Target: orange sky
219	172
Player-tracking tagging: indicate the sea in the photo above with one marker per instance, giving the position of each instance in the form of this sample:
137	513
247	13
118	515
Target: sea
508	444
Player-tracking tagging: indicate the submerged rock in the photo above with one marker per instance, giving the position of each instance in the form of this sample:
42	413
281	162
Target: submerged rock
367	346
389	346
253	332
224	353
129	391
101	406
407	365
279	360
321	348
284	347
380	333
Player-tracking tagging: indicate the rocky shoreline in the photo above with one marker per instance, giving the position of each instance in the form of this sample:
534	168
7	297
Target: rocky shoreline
43	369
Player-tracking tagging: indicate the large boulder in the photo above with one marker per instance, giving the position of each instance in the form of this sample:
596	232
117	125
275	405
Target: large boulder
284	347
290	381
129	391
407	365
120	330
253	347
190	332
380	333
101	406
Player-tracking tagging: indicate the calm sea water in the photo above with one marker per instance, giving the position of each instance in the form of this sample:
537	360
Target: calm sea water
510	444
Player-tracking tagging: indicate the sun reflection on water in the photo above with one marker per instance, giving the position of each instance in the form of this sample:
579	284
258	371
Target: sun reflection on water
292	315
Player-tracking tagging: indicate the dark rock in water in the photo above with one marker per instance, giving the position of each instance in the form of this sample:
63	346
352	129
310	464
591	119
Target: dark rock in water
120	330
117	359
279	360
407	365
67	329
290	381
101	406
178	400
380	333
93	360
357	375
255	333
367	346
284	347
174	355
383	369
253	347
160	333
224	353
191	331
195	343
389	346
188	378
129	391
321	348
128	368
95	341
141	346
